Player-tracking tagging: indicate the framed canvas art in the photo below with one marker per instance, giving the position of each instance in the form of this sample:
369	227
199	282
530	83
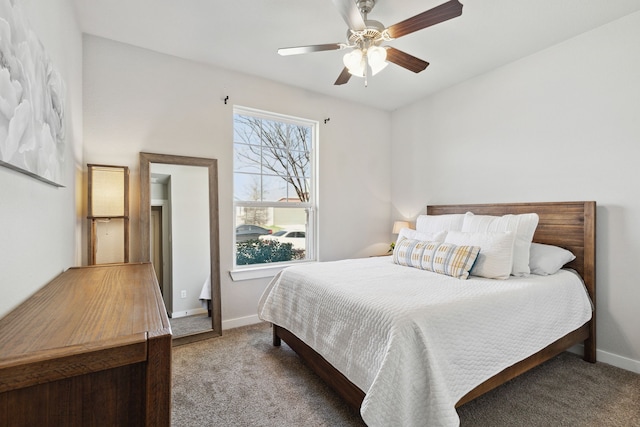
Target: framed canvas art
31	101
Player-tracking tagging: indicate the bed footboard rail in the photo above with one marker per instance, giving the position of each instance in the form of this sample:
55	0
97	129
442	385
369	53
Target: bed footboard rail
348	391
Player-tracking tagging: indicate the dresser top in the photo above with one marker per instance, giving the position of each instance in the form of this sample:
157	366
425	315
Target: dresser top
86	307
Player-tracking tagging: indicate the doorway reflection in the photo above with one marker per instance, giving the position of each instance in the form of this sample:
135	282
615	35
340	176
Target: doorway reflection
181	209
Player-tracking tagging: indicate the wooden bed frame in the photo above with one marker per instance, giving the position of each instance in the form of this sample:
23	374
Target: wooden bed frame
570	225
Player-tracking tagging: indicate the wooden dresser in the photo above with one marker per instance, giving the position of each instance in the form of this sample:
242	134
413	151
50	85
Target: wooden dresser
91	348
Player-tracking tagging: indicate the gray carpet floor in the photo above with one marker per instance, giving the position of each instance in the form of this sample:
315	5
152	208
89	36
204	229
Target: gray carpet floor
190	324
240	379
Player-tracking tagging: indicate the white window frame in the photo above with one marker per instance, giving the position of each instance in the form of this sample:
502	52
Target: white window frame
254	271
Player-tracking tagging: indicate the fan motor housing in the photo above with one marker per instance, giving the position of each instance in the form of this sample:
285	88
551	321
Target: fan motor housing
373	31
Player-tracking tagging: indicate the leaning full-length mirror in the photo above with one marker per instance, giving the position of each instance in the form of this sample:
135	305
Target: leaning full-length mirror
179	235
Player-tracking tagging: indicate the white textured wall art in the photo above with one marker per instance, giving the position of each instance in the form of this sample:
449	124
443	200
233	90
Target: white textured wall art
31	101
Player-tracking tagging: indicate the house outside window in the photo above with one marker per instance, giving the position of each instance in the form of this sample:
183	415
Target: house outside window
274	188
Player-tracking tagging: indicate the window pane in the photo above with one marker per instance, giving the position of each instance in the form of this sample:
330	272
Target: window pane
251	223
246	130
247	158
276	161
277	234
300	138
264	188
247	187
274	188
301	163
298	190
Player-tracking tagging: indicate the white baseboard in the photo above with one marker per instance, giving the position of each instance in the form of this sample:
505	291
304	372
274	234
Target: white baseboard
185	313
611	359
618	361
240	321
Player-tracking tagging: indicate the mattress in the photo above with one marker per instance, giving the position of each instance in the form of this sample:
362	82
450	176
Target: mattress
414	341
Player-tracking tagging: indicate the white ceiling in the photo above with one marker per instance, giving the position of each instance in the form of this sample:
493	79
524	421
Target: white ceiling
244	35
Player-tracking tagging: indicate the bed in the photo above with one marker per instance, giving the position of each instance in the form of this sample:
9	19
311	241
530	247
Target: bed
410	377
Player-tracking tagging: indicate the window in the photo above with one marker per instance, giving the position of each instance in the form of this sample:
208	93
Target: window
274	192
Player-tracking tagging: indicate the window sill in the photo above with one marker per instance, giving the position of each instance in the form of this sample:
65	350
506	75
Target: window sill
260	272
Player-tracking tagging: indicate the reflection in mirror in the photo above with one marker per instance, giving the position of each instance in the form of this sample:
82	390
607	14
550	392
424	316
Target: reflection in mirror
179	225
180	243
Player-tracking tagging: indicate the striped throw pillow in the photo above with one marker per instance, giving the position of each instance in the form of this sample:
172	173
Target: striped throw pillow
438	257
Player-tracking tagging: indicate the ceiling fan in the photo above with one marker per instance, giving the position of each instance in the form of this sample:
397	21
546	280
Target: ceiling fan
365	38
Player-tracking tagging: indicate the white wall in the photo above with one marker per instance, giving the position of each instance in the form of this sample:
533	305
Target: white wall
39	223
562	124
138	100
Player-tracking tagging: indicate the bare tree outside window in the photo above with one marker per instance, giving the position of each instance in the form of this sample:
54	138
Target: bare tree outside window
278	149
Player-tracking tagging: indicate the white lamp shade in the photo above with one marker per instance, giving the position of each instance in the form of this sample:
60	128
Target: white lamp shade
354	62
376	69
377	57
109	241
107	191
399	225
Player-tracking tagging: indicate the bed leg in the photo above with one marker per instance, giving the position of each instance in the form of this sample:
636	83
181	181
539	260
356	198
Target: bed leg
590	344
276	339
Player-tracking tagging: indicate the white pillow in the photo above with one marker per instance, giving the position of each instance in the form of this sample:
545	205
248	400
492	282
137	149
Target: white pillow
523	226
407	233
431	223
548	259
496	252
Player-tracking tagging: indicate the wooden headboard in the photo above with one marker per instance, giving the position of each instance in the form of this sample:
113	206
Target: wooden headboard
571	225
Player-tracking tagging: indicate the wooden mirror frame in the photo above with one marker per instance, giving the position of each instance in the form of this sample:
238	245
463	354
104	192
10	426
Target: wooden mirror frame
214	238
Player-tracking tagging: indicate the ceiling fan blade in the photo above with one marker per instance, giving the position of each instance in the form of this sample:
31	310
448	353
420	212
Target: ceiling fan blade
350	13
405	60
344	77
285	51
444	12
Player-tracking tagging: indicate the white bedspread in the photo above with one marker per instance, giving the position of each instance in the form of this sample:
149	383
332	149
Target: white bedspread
415	341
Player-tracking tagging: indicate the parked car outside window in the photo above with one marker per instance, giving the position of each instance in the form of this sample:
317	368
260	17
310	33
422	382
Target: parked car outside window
296	238
250	232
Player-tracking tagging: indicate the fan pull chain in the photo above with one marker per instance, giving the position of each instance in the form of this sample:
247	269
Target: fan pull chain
366	70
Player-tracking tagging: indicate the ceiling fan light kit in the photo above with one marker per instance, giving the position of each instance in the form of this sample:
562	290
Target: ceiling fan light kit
365	37
359	59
